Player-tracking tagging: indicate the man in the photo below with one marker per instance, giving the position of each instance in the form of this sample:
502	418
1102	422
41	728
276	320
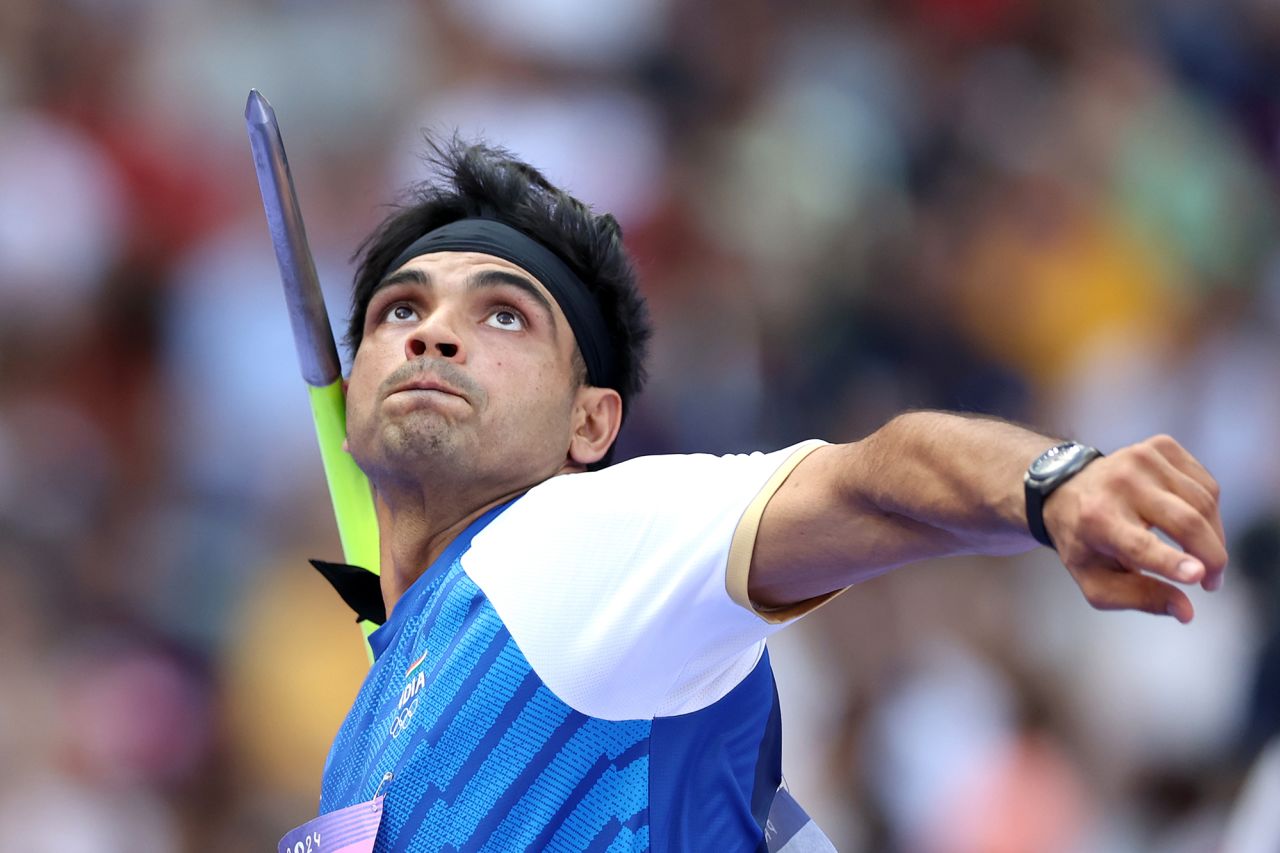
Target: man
573	654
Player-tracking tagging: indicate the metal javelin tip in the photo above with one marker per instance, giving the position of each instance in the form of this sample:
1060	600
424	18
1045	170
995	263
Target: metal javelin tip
257	110
317	352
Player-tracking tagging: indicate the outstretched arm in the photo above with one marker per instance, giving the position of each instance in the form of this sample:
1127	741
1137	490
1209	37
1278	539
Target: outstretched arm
930	484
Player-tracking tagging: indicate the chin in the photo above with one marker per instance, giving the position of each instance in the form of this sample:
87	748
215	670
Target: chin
419	444
399	449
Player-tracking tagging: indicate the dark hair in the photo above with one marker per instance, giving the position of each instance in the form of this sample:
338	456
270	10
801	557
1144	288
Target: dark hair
477	180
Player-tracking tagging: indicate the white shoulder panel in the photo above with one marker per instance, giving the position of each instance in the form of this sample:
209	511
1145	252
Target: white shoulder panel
613	582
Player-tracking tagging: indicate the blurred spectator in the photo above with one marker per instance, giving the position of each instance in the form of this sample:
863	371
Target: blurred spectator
1056	212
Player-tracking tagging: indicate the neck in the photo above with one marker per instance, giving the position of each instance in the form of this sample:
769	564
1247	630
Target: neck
416	523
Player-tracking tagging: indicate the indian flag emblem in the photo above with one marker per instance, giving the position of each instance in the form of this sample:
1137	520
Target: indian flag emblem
408	672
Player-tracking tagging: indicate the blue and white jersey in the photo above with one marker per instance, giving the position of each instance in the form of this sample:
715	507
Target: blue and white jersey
581	669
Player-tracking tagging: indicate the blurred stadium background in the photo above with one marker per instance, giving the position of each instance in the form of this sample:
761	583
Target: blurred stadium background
1059	212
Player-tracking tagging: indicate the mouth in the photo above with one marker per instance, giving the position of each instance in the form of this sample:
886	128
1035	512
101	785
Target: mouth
425	387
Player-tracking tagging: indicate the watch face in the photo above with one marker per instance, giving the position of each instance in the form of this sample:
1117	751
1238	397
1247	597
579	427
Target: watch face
1054	460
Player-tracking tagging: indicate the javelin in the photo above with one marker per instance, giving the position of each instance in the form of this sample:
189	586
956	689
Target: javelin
317	354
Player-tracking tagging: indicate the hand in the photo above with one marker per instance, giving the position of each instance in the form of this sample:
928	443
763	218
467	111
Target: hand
1101	521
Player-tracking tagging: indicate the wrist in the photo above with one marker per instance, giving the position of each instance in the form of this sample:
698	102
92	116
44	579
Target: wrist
1045	475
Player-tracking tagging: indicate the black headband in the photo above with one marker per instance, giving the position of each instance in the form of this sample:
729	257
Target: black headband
491	237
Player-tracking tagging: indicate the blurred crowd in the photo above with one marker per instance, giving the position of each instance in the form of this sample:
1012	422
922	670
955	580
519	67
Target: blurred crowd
1062	212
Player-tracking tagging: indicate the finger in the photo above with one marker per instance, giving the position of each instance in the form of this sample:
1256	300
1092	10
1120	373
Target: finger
1193	492
1108	586
1135	547
1181	458
1186	527
1202	501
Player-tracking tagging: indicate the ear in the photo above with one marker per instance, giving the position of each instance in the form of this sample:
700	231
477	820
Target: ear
597	417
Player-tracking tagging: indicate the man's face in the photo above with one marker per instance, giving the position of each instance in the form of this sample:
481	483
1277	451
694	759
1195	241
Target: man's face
466	368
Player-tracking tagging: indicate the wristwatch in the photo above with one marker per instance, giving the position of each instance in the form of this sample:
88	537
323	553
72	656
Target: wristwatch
1051	469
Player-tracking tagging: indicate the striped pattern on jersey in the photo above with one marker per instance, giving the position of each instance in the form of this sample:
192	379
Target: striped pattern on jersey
485	757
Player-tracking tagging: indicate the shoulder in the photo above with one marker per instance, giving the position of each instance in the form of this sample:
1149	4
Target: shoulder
655	513
655	483
614	582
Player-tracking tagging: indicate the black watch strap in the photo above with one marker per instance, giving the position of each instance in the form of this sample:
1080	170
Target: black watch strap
1035	518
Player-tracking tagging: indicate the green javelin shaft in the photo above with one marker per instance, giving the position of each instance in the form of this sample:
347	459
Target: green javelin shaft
317	353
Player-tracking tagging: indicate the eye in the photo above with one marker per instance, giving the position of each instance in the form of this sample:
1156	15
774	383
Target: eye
506	318
400	312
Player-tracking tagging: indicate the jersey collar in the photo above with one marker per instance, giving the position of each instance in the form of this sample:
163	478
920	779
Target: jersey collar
360	588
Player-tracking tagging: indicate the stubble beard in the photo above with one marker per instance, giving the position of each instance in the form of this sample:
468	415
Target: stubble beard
412	451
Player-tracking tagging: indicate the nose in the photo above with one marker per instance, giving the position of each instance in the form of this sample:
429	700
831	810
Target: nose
434	336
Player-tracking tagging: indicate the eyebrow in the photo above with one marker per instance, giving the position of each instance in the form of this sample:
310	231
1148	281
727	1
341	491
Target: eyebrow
403	277
478	281
498	278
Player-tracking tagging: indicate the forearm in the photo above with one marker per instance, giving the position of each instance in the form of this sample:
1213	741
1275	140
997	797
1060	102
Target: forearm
926	484
962	475
929	484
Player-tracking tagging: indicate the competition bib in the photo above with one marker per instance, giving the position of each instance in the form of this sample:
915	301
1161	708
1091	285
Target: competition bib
349	830
789	828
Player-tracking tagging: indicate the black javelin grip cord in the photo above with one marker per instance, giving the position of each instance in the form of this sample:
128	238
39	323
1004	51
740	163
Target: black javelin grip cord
312	334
